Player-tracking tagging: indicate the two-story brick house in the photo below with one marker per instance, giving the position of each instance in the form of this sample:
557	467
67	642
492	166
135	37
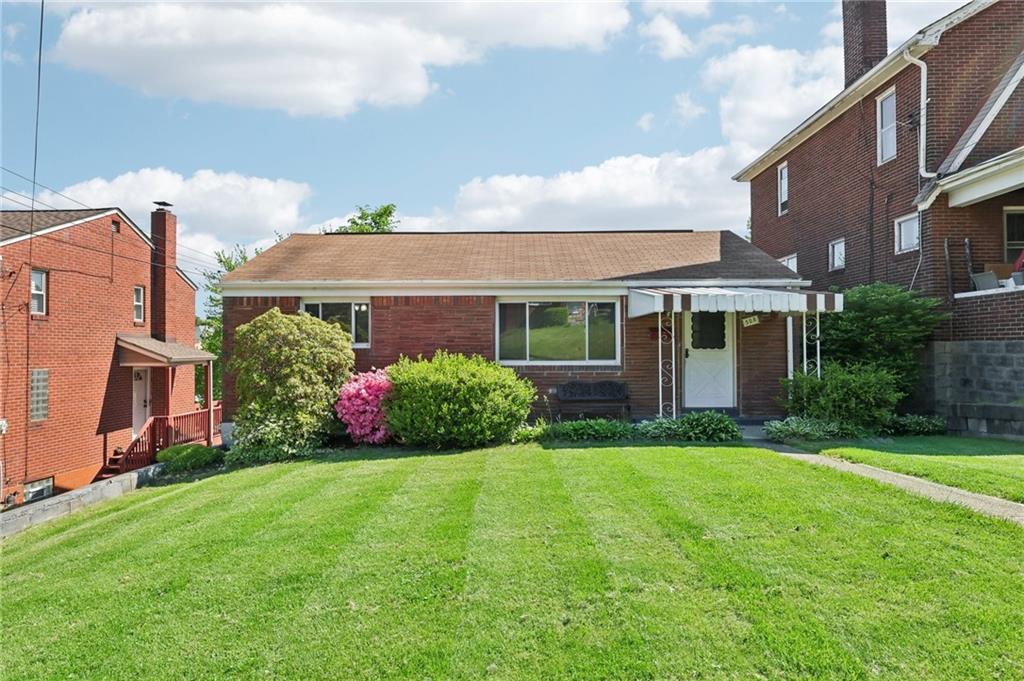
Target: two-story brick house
98	342
914	174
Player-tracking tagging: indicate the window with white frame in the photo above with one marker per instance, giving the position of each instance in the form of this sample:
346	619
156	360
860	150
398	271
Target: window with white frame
353	316
783	183
39	395
139	304
39	285
558	332
908	233
837	254
885	129
1014	233
38	489
789	261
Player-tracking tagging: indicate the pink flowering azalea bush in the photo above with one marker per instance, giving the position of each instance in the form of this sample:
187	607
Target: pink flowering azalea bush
361	406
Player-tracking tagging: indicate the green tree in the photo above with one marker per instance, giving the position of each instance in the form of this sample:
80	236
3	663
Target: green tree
884	326
211	326
380	220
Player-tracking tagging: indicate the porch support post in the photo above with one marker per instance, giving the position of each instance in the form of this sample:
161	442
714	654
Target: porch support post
208	398
661	399
673	363
789	346
817	341
168	430
805	342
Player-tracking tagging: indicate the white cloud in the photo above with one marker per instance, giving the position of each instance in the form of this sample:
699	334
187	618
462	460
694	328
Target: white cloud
832	32
689	8
316	59
668	40
767	91
686	109
646	122
12	30
11	57
215	210
904	19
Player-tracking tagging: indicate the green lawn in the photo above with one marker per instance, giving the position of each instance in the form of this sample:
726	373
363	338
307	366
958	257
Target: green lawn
518	562
985	465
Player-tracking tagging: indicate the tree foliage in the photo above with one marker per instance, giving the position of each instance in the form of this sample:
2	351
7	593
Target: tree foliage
211	327
289	369
885	326
379	220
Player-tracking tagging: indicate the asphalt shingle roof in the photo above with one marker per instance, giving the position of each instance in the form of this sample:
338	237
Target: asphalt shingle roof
15	223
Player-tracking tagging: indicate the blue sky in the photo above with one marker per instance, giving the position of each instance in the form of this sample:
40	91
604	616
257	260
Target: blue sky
261	118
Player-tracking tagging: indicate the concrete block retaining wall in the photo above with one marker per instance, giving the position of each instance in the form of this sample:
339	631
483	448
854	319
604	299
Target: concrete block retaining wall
30	515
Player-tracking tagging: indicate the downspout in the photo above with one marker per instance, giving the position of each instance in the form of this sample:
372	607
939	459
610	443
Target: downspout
922	154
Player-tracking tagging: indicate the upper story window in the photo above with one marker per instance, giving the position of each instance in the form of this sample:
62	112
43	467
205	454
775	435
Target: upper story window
139	304
837	254
558	332
789	261
353	316
115	226
783	182
908	233
885	131
40	284
1014	234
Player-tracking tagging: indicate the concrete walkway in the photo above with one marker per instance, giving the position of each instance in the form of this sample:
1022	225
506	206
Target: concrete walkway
982	503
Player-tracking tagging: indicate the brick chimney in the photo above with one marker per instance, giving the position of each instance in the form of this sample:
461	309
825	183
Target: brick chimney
864	36
164	230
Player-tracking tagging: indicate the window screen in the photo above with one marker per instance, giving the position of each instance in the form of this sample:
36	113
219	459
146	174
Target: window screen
707	331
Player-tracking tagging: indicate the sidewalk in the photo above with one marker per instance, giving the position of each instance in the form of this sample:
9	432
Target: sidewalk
982	503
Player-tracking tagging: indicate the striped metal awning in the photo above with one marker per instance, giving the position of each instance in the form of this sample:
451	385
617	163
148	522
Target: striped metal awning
645	301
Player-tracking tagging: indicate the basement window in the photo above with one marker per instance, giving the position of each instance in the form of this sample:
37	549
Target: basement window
885	132
353	316
139	304
908	233
837	254
38	489
783	183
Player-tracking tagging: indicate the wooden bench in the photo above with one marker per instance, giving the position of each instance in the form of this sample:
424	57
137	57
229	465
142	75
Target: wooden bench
578	399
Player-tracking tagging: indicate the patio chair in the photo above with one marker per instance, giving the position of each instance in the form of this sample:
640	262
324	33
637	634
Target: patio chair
984	281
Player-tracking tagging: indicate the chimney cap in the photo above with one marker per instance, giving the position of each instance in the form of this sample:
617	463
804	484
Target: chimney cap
163	204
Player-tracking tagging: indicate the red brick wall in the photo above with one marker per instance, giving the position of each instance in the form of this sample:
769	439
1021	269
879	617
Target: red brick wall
997	316
90	301
836	188
762	364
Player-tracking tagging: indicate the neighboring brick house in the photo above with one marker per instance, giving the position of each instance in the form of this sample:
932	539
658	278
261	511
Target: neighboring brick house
872	187
683	319
98	336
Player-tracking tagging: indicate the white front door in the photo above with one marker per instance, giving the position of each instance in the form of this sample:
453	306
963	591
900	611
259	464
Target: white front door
710	364
140	399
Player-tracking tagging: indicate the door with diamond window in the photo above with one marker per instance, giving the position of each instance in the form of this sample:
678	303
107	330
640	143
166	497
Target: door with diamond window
710	360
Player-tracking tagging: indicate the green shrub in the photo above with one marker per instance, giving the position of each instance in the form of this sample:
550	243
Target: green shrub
703	426
185	458
915	424
589	430
883	325
800	428
527	433
452	400
289	369
863	396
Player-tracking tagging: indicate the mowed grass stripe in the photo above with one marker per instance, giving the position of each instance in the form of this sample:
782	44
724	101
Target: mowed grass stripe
539	602
388	607
689	627
853	560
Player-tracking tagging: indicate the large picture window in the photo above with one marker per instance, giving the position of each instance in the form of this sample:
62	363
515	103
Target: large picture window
353	316
558	332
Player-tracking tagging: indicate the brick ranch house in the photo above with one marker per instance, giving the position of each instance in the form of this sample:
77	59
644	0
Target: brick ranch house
99	346
681	320
914	175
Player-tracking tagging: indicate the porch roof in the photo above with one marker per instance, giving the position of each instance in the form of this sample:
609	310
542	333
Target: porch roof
136	351
645	301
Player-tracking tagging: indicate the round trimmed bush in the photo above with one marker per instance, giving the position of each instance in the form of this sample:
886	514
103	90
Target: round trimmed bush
452	400
361	407
185	458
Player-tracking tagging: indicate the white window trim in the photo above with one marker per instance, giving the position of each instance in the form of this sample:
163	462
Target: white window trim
352	321
778	187
831	266
878	125
140	304
1009	210
784	258
45	292
559	363
896	232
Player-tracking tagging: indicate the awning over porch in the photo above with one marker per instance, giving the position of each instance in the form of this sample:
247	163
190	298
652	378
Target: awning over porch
146	351
645	301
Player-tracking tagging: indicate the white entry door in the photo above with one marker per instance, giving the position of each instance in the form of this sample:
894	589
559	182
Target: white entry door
140	399
710	363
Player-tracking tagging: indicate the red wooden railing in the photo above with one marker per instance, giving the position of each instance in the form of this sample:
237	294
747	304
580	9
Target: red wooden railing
161	432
